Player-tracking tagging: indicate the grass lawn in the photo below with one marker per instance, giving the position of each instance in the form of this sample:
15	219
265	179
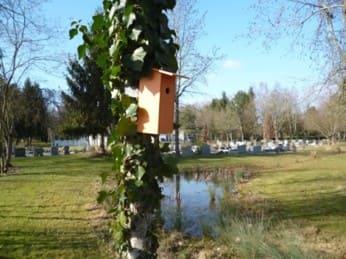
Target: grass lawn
48	207
306	194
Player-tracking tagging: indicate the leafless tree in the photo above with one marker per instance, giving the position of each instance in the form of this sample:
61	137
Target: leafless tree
230	122
316	27
277	108
24	36
329	119
188	23
205	122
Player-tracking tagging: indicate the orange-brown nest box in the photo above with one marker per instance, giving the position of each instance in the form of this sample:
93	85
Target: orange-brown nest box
156	102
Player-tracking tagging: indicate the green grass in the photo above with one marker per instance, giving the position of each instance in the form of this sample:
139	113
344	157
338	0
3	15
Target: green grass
307	195
48	208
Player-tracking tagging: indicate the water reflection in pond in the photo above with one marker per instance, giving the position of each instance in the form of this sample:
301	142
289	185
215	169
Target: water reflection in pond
191	200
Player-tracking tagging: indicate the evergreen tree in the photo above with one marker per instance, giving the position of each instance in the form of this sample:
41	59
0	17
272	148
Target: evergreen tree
87	105
33	117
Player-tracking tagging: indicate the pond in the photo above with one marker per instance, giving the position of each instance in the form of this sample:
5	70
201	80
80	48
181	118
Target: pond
192	200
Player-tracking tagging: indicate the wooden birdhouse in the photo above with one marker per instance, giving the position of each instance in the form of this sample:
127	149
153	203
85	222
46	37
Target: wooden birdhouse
156	102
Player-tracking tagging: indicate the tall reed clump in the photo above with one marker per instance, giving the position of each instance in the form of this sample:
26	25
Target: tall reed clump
254	236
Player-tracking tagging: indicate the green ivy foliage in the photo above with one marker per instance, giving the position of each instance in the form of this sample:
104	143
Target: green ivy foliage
128	39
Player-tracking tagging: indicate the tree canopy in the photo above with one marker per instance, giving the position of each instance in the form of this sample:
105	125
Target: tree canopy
87	103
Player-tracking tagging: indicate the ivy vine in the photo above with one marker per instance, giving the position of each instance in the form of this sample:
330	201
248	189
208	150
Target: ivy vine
129	38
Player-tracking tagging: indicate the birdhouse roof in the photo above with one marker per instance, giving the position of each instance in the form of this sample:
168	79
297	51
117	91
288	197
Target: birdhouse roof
168	73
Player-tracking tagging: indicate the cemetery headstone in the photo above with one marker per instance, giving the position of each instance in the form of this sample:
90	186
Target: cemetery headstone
38	152
186	151
66	150
293	147
19	152
54	151
241	149
205	149
257	149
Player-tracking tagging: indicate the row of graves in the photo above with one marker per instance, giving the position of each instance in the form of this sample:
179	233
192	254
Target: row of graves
39	151
248	147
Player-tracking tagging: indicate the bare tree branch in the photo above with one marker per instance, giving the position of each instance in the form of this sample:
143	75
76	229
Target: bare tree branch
188	23
317	28
24	38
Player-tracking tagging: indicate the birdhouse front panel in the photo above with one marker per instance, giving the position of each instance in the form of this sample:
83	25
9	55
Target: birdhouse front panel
167	99
148	104
156	103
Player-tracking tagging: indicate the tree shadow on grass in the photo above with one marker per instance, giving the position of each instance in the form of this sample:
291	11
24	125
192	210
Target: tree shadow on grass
321	205
317	220
13	241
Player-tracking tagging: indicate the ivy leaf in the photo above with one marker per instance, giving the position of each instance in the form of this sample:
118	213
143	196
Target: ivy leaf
128	149
131	110
139	54
168	4
83	29
112	12
118	235
74	23
114	72
130	19
122	219
126	127
104	176
114	49
102	196
126	100
118	155
111	29
101	60
137	59
73	32
164	147
121	4
98	22
82	51
115	7
135	34
140	172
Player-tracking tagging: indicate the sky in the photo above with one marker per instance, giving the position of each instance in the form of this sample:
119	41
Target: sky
244	64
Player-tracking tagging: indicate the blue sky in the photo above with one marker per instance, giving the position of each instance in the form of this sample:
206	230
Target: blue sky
245	64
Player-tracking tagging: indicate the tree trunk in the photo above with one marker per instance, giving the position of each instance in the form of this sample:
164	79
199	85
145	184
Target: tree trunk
178	216
102	144
205	134
177	187
177	222
241	133
177	121
2	158
8	152
142	226
276	133
143	241
6	149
